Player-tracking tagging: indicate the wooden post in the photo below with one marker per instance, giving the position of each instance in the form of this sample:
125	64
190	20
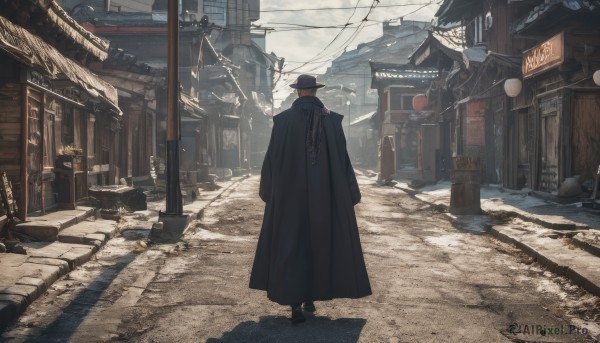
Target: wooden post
24	148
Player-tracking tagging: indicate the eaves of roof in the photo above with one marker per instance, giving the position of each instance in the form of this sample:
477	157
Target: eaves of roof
405	74
93	44
513	62
118	59
550	12
362	118
191	107
449	45
456	10
35	52
340	87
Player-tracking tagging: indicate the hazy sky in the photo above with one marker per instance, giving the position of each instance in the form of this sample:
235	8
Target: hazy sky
318	46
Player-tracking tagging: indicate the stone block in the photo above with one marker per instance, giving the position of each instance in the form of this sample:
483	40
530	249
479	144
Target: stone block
47	232
29	292
11	306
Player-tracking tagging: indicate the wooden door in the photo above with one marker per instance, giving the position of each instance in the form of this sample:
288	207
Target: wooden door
549	136
585	135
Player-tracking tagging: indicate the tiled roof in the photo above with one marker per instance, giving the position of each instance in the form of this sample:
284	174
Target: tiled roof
93	44
450	42
455	10
556	10
33	51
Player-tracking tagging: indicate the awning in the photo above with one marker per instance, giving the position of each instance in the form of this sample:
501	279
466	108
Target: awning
33	51
401	74
220	73
474	55
362	118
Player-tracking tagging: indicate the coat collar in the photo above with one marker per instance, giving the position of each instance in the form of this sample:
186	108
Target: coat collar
308	99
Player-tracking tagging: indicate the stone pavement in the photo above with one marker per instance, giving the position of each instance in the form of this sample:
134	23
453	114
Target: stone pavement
71	239
565	238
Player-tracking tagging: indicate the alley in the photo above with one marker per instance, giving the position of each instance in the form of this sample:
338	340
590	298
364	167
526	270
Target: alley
432	282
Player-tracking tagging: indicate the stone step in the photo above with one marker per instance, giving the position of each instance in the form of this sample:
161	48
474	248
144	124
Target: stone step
47	227
89	232
557	254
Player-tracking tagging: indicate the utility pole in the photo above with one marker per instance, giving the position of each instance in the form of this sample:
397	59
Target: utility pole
173	221
174	202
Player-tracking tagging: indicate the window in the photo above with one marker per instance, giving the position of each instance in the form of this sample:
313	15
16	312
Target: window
190	6
407	102
475	30
399	100
384	104
91	129
216	10
160	5
49	117
479	21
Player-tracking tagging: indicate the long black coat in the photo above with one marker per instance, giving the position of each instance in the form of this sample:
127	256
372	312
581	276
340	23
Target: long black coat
309	247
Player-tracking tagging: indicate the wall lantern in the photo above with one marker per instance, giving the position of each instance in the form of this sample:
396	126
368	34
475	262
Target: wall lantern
512	87
597	77
419	102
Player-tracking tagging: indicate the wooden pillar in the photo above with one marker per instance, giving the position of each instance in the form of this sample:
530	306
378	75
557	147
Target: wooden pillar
24	147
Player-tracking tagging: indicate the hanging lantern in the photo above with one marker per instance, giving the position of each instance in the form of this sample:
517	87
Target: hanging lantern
512	87
419	102
597	77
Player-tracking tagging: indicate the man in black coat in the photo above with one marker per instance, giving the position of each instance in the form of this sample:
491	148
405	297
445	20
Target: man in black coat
309	248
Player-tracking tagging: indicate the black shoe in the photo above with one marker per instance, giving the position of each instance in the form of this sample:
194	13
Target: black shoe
309	306
297	316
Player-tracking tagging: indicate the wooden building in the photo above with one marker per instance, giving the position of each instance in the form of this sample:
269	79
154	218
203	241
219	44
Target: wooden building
58	120
442	51
543	133
396	86
562	53
137	84
209	95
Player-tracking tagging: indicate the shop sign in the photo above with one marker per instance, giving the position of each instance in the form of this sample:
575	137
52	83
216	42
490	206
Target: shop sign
544	56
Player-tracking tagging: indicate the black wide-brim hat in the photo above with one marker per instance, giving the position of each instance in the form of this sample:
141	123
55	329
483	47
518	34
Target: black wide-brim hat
306	81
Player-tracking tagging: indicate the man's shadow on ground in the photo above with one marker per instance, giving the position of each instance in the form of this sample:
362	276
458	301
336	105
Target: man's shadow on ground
280	329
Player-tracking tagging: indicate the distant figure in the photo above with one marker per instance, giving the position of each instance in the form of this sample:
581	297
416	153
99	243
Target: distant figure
309	248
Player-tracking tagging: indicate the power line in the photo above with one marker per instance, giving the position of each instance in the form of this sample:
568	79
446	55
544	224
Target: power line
352	37
332	41
338	35
349	40
336	8
340	74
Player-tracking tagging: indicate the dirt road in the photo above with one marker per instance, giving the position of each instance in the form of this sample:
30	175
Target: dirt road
432	282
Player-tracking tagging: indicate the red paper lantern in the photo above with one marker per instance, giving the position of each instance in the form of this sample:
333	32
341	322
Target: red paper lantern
419	102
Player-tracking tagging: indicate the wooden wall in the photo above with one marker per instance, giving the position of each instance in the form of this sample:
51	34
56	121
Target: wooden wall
11	134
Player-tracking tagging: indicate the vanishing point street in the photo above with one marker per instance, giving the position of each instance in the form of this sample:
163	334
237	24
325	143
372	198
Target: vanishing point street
433	281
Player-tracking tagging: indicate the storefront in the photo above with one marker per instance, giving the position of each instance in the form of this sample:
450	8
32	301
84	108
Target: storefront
566	107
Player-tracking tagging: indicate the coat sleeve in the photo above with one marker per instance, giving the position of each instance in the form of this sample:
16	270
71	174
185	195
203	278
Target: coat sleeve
266	181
